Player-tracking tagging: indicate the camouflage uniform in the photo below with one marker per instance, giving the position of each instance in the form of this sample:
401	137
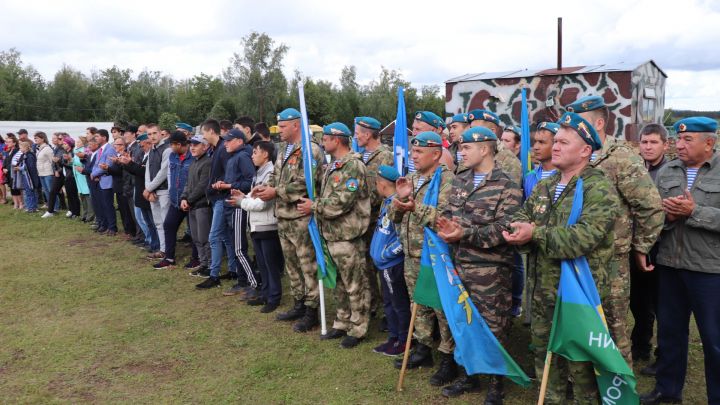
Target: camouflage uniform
380	156
288	178
482	257
343	213
552	241
510	164
411	232
636	228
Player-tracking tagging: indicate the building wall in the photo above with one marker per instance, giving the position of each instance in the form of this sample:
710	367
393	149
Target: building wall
548	94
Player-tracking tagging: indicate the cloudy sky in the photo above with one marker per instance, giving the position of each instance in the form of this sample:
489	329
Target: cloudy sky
428	41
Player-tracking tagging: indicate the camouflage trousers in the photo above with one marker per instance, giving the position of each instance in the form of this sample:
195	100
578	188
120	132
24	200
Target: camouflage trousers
617	305
300	264
425	317
352	295
372	273
581	374
491	291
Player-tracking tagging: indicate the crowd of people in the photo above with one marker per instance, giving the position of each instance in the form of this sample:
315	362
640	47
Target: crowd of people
649	226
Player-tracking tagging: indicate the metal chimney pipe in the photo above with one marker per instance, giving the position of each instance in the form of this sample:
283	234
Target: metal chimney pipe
559	44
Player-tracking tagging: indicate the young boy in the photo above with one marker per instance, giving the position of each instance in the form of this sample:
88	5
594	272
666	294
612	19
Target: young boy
263	230
194	201
387	253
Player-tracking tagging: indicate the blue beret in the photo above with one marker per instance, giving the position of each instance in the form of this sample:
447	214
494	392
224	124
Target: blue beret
368	122
427	138
461	118
235	134
513	128
696	124
478	134
288	114
142	137
336	129
582	127
430	118
550	126
585	104
483	115
388	173
182	125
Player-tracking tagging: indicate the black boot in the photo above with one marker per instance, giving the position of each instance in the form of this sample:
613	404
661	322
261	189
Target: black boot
446	372
296	312
308	321
420	357
466	383
495	394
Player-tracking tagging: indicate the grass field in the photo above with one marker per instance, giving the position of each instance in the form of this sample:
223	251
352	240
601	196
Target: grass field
85	319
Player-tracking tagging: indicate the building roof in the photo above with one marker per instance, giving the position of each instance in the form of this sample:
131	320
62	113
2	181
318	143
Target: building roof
573	70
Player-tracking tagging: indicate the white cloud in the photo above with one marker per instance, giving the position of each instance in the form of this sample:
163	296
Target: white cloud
429	41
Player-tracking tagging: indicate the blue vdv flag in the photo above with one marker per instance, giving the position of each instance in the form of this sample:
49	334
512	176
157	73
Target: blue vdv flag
327	271
525	143
476	348
400	139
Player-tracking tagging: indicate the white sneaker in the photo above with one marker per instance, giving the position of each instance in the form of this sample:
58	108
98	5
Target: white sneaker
48	215
68	214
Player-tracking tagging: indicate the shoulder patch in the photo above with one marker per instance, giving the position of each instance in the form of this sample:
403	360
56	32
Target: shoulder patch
352	184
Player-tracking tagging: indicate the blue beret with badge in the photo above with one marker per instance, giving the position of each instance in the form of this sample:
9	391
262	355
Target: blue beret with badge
388	173
430	118
288	114
514	129
478	134
182	125
483	115
461	118
368	122
549	126
582	127
427	139
142	137
585	104
696	124
337	129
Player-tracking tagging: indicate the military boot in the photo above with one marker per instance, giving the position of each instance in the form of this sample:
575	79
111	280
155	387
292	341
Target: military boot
420	357
296	312
308	321
446	372
465	383
495	392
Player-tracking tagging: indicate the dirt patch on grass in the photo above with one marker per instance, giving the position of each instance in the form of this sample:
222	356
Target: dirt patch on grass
90	242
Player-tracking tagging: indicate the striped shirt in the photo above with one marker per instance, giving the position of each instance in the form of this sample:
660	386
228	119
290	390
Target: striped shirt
411	166
691	175
459	158
545	174
289	149
593	157
366	155
421	181
478	178
558	190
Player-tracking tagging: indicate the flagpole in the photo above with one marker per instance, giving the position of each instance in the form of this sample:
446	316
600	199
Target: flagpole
546	374
306	127
408	341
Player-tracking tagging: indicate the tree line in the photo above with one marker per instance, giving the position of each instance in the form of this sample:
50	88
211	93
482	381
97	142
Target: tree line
252	84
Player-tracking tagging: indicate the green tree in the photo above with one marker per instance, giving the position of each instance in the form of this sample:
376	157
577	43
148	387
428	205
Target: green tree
22	89
348	97
256	76
167	121
67	96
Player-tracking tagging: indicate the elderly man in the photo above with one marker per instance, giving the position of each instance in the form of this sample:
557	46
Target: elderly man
688	261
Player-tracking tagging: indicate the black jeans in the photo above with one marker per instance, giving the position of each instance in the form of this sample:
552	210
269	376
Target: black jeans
173	219
72	195
643	305
270	262
56	192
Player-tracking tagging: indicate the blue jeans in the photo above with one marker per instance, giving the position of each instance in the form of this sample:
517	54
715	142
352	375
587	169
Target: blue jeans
220	239
518	279
29	196
151	238
396	301
46	183
142	224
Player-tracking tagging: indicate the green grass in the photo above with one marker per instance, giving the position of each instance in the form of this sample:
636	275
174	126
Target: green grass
84	319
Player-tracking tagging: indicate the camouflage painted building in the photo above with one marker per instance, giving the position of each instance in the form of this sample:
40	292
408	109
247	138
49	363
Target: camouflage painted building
635	93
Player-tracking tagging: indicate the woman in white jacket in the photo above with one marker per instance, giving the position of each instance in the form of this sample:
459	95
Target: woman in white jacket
263	230
44	153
